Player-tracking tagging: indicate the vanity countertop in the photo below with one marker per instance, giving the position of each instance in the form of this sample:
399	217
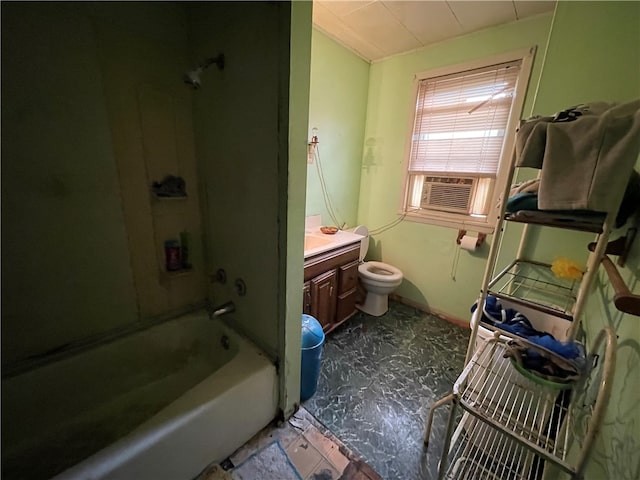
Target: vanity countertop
316	242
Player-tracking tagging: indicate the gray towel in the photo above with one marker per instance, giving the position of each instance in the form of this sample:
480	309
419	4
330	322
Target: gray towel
530	142
531	137
586	163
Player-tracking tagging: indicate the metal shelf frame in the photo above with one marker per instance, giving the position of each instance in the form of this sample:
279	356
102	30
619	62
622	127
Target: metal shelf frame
573	313
513	426
533	284
482	452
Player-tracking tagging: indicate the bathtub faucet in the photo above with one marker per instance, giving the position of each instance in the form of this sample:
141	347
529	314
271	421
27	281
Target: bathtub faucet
222	310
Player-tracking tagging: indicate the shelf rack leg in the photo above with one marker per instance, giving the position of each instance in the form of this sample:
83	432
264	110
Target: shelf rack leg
447	439
592	269
435	405
607	336
491	259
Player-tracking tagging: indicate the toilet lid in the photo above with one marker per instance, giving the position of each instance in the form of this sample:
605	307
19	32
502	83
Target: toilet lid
364	243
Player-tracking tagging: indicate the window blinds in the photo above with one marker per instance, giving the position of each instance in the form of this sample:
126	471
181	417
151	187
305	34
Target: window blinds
461	120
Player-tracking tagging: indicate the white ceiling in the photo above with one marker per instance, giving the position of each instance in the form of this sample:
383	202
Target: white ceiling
378	29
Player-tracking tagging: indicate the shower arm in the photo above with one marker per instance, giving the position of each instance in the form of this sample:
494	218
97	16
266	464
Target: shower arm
219	61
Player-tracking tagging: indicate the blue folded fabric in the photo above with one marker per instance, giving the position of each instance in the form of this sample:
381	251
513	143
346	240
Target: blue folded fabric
493	311
522	201
512	321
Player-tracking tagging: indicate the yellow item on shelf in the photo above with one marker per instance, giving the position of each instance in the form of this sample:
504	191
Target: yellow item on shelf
565	268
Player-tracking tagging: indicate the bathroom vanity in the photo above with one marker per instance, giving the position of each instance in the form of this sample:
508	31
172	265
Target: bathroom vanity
331	278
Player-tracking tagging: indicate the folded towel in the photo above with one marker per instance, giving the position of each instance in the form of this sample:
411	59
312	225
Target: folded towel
549	358
512	321
524	196
548	366
493	311
528	186
531	138
522	201
585	162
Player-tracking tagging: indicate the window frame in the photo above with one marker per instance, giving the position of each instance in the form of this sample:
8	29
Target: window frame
459	220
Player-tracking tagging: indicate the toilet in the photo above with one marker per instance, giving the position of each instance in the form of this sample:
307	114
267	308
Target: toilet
378	279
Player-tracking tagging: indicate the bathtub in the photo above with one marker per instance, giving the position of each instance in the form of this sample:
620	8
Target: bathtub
162	403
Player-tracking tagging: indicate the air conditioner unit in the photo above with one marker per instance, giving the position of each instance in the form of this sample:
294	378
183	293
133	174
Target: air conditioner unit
449	194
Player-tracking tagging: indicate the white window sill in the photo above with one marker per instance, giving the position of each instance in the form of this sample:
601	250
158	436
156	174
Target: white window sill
451	220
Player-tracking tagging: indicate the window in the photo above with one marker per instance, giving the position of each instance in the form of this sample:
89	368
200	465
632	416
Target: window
462	131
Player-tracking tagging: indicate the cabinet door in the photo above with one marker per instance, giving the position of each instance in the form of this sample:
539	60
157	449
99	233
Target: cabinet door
306	298
323	298
346	305
348	277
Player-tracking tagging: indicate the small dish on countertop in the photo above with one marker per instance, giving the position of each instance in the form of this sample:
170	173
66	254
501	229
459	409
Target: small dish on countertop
329	230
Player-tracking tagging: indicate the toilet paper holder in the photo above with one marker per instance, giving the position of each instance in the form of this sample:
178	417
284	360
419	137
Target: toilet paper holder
481	237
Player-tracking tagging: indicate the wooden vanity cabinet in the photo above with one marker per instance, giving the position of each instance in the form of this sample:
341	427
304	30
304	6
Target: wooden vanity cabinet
323	298
329	292
348	281
306	298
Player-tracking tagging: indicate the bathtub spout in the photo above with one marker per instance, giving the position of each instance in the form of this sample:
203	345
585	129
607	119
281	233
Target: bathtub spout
223	309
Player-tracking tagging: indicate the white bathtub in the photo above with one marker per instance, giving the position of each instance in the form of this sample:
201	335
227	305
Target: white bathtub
160	404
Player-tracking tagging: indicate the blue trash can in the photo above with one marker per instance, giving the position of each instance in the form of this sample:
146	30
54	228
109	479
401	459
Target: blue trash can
312	340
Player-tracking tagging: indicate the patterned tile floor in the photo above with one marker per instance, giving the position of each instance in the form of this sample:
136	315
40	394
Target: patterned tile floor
379	376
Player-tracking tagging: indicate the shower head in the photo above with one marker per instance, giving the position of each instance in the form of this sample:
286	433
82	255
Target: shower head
192	77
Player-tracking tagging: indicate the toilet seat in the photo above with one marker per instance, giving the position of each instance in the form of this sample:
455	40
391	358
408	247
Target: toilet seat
380	272
379	279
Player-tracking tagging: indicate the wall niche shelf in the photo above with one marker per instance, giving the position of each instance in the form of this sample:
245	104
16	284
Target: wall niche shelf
170	199
182	271
174	274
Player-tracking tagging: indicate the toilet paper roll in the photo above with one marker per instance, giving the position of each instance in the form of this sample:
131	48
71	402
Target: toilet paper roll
468	243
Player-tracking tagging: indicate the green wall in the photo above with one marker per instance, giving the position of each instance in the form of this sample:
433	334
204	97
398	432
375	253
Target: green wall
251	143
293	175
605	37
337	108
617	450
593	55
237	128
437	274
